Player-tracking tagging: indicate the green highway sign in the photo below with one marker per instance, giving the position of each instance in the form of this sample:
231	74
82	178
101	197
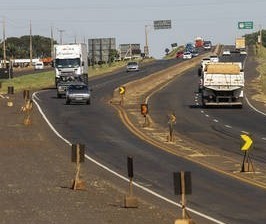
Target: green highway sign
245	25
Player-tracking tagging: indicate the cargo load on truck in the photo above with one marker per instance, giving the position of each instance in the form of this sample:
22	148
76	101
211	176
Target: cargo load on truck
240	43
222	84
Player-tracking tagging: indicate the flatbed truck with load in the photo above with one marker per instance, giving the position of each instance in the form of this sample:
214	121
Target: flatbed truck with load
222	84
240	44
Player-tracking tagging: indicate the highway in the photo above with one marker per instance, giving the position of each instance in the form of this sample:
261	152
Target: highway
108	141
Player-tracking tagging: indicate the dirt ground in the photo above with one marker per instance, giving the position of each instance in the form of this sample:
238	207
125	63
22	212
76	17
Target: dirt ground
36	179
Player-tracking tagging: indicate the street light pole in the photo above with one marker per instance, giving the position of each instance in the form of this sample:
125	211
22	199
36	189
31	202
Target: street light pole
61	35
30	45
4	42
146	47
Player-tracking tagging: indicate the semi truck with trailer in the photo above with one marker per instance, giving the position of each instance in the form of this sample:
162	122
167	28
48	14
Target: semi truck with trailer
71	60
222	84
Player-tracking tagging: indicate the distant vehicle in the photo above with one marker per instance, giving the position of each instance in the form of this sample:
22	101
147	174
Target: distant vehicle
78	93
243	52
214	58
207	45
179	54
39	65
226	52
204	61
65	81
187	55
189	45
240	43
194	53
132	66
199	42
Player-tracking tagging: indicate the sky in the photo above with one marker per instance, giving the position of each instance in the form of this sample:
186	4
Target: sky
80	20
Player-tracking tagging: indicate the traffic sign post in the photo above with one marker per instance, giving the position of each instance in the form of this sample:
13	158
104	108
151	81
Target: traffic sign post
122	92
162	24
171	123
245	25
77	156
183	186
247	165
130	201
144	111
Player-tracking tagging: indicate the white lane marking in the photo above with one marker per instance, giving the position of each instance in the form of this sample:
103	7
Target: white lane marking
228	126
119	175
254	108
264	138
207	115
215	120
245	132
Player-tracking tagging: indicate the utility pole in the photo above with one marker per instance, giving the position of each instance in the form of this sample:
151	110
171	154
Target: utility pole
52	43
260	36
61	35
4	42
146	47
30	45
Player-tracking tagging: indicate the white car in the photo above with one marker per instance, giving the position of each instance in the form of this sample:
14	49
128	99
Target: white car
187	55
78	93
226	52
132	66
214	58
39	65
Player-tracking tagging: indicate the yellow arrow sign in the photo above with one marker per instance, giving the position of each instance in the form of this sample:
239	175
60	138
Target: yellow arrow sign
122	90
248	142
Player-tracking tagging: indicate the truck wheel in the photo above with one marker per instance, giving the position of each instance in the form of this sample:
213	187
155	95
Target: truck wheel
59	96
88	102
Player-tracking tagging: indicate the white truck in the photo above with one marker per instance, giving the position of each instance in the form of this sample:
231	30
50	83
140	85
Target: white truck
71	60
222	84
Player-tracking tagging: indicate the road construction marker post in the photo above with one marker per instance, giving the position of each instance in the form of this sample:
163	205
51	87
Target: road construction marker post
247	165
144	111
27	108
171	123
78	155
10	92
26	95
122	92
183	186
130	201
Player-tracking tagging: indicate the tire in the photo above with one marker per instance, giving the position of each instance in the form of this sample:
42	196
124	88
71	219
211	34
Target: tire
59	95
88	102
67	102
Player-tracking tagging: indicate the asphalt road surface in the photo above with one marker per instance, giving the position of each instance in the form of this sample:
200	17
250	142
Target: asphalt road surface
108	141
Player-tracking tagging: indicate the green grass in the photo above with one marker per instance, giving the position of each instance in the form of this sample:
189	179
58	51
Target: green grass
29	82
46	79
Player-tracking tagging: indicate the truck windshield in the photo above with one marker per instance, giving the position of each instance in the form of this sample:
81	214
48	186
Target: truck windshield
67	63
